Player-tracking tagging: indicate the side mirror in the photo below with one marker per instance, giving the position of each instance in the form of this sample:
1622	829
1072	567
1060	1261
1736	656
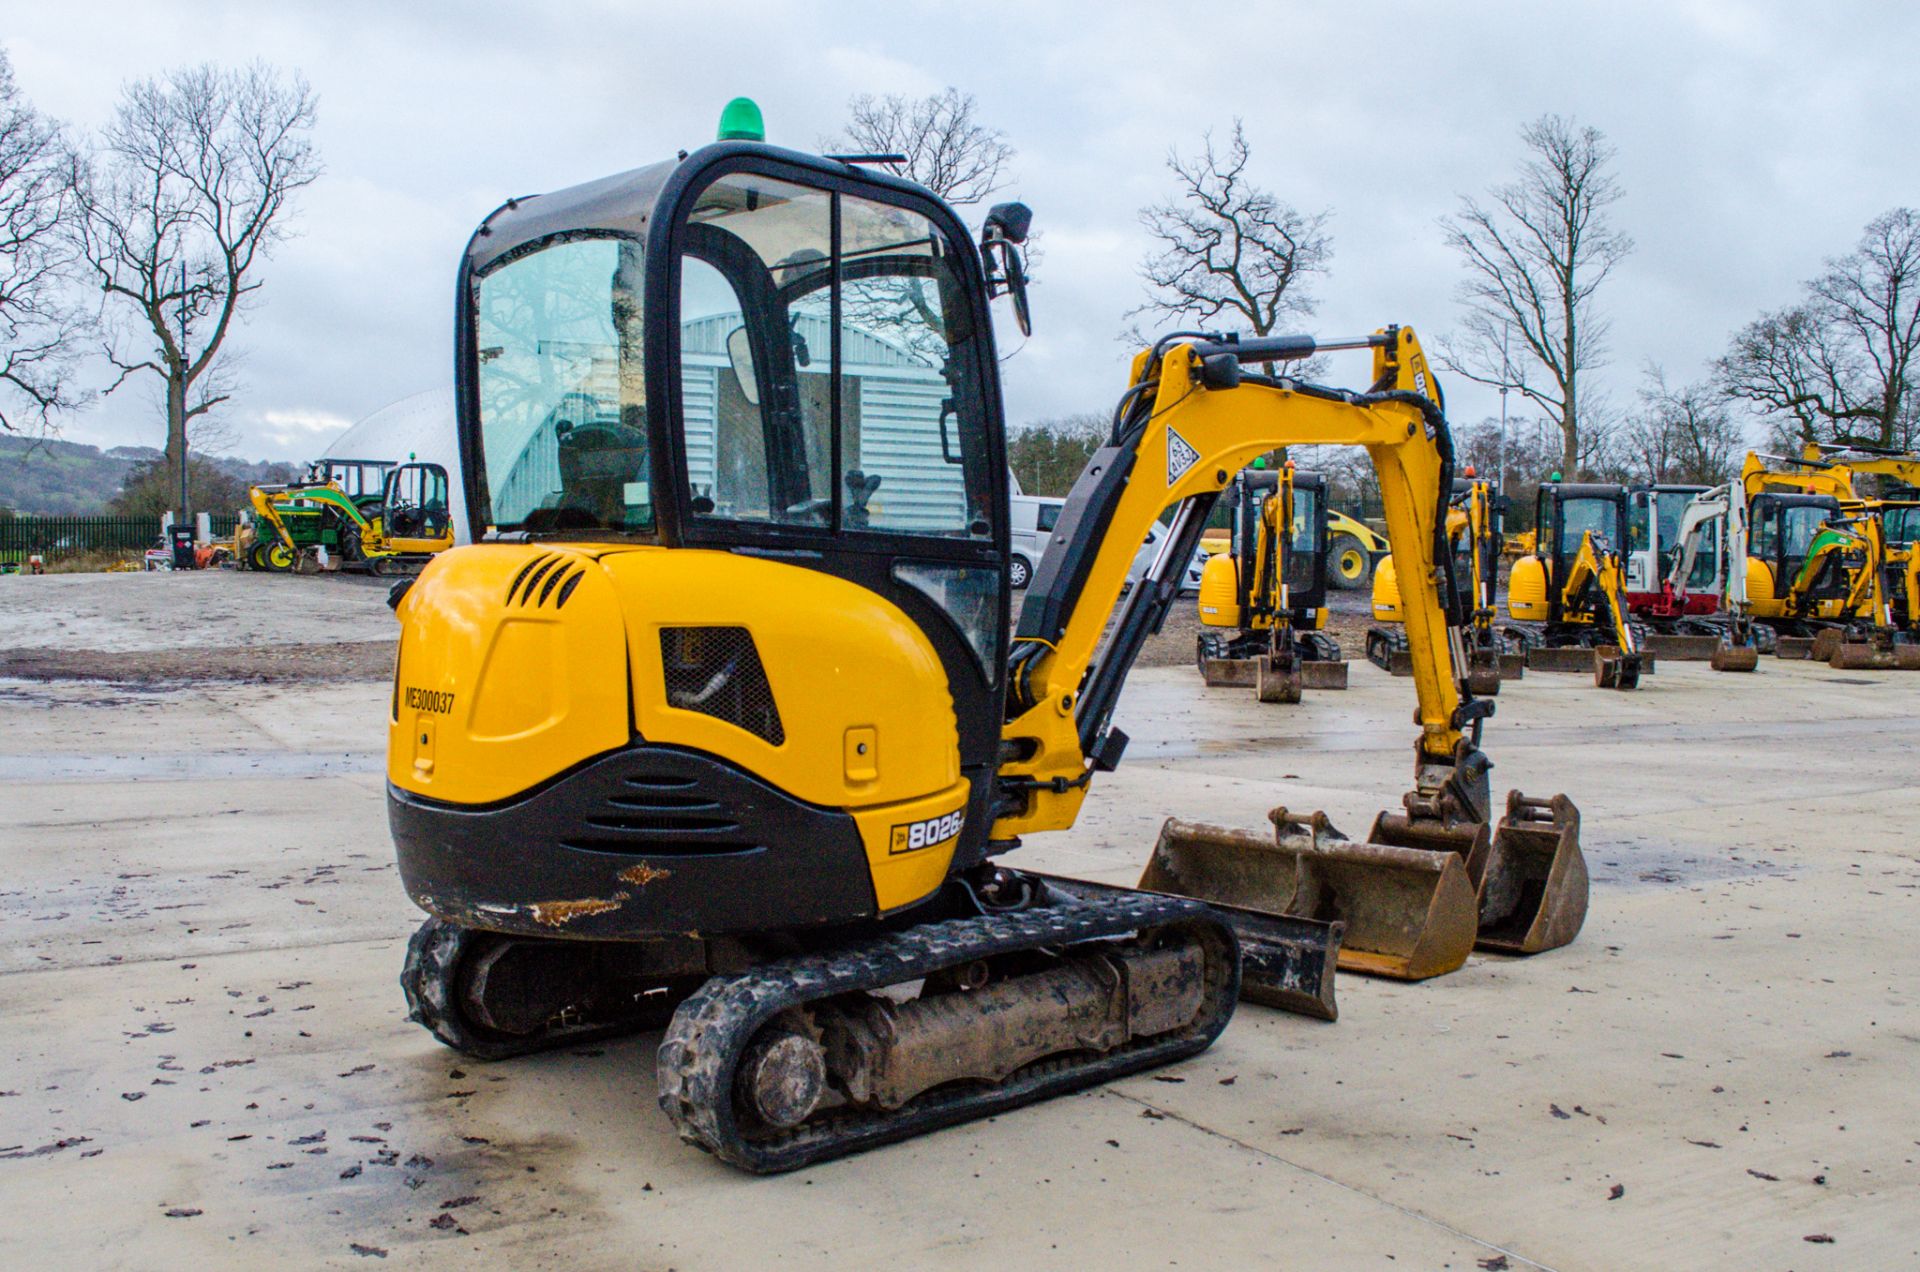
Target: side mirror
740	357
1007	226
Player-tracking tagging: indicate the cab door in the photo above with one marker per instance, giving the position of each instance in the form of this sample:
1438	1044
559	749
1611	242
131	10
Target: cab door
414	513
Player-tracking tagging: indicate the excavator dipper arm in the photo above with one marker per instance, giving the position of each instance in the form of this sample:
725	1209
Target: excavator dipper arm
1192	419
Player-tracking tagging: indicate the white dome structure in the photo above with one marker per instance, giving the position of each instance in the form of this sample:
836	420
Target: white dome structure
418	427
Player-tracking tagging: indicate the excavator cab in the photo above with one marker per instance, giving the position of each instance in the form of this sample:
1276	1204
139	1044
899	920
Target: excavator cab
1791	572
1568	597
1272	586
415	518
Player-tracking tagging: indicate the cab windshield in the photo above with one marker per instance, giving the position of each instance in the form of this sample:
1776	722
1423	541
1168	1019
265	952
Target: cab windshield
1579	517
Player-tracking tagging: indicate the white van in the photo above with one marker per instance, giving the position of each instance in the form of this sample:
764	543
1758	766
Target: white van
1034	517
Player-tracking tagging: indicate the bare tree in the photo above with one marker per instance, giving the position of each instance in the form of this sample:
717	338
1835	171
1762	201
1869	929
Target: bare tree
1536	254
1840	364
1685	435
181	200
39	329
1228	249
948	150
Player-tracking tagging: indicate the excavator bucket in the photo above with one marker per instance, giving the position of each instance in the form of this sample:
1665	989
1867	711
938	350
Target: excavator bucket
1826	643
1729	656
1277	678
1532	879
1870	655
1613	669
1486	668
1408	907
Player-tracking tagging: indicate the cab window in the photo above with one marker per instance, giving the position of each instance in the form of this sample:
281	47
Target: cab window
829	367
1579	517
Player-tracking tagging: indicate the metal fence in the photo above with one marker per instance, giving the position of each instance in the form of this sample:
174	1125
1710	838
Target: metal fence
52	537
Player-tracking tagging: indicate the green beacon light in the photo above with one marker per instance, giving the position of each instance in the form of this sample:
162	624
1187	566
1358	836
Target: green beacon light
1259	461
741	121
1556	475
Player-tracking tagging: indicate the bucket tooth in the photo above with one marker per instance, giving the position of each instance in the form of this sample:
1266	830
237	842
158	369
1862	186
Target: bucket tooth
1532	880
1287	961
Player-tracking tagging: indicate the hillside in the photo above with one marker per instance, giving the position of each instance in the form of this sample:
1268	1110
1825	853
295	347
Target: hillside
49	477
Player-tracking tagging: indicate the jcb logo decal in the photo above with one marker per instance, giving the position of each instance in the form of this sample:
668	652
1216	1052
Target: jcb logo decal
930	833
429	700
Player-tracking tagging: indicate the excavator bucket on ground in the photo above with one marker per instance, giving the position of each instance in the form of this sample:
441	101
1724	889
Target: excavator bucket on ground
1408	912
1872	655
1532	882
1486	668
1280	678
1731	656
1415	897
1613	669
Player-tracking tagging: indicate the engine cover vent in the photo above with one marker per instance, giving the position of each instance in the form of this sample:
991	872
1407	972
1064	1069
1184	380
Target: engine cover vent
717	671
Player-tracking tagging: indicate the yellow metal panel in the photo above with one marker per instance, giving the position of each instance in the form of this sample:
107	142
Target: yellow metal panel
1527	590
492	699
910	844
1386	593
837	657
1219	585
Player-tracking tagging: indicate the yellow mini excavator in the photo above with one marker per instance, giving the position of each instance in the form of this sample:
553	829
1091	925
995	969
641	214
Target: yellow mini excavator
1474	535
1568	596
1271	585
718	723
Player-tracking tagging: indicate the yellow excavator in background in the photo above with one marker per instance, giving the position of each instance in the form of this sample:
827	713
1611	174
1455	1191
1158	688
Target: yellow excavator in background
1271	587
1474	536
718	722
1568	596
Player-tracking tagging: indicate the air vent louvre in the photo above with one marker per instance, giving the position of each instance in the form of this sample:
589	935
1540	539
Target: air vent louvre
717	671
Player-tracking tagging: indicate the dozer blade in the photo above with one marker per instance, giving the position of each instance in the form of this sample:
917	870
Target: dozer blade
1285	961
1532	880
1793	647
1230	673
1323	673
1682	648
1571	659
1408	909
1864	655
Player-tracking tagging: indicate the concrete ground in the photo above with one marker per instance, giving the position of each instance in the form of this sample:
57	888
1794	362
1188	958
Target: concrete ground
204	1061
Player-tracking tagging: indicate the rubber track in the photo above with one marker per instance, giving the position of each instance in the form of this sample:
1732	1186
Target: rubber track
1383	643
432	970
712	1028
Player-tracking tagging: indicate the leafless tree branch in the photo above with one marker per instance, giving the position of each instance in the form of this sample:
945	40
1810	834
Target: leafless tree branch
39	328
1228	250
182	197
948	149
1536	253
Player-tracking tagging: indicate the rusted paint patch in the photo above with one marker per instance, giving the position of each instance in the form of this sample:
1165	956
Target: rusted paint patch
643	874
561	913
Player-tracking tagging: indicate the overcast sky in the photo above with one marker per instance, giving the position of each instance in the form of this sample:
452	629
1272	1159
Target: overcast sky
1754	138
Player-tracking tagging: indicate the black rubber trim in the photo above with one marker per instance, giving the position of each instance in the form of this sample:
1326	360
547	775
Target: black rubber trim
654	840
